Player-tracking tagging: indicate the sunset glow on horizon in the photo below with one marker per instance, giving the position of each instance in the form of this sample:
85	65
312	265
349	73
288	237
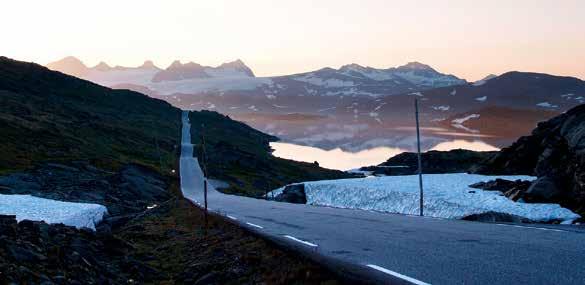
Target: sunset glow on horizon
469	39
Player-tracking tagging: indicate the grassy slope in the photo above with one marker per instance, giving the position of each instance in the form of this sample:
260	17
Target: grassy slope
50	116
240	155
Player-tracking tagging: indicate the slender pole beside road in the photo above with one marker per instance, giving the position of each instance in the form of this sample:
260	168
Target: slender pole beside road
420	182
203	158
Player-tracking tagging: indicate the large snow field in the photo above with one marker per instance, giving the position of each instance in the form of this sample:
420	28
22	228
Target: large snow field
445	196
27	207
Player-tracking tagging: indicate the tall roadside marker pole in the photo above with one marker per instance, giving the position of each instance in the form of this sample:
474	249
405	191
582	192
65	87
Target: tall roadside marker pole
203	160
420	182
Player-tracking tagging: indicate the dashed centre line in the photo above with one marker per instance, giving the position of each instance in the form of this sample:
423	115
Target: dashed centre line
396	274
301	241
254	225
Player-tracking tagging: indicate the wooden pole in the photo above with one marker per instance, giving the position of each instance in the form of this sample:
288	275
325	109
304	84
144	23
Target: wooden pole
204	172
420	182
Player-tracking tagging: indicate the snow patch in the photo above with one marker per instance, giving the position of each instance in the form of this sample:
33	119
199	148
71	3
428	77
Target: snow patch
464	119
481	99
446	196
331	82
441	108
546	105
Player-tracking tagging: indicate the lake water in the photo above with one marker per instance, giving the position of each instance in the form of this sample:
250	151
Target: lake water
345	160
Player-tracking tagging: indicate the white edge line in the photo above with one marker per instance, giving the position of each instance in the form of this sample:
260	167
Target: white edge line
301	241
232	217
534	228
396	274
254	225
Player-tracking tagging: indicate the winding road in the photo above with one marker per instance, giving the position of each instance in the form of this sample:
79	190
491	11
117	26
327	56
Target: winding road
399	249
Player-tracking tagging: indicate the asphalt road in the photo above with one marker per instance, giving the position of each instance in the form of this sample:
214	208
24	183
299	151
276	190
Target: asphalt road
389	248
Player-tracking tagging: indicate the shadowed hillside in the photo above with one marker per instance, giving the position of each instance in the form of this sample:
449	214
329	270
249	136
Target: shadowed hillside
50	116
241	156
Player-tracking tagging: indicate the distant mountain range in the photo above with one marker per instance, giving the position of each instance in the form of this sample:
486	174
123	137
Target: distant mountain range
354	107
351	79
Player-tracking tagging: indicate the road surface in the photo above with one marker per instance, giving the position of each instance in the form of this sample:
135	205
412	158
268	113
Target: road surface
394	249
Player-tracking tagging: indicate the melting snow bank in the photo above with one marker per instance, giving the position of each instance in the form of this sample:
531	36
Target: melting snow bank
27	207
445	196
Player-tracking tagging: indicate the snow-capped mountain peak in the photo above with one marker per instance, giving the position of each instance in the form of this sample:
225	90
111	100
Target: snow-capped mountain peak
415	65
484	80
237	65
353	66
70	65
175	64
102	66
148	64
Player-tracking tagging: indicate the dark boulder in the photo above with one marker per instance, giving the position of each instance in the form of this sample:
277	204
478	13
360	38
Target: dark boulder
294	193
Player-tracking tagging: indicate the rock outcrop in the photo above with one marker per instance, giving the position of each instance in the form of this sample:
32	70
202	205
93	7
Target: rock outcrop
453	161
294	193
495	217
515	190
555	153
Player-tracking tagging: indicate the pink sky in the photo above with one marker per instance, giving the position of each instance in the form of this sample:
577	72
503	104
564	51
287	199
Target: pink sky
467	38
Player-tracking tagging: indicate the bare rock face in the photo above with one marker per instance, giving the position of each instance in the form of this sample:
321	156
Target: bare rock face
554	152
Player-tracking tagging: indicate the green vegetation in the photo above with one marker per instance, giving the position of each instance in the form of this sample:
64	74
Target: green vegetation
241	156
50	116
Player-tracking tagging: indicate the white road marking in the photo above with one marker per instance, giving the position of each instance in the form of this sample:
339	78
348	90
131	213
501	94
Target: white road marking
396	274
535	228
232	217
301	241
254	225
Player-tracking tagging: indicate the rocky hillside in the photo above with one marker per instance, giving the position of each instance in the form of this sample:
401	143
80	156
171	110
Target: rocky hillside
50	116
454	161
555	152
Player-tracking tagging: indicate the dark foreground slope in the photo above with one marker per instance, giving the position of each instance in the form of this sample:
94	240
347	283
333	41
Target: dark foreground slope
68	139
241	156
555	152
